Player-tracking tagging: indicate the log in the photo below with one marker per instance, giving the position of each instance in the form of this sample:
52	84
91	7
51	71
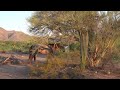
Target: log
11	60
6	60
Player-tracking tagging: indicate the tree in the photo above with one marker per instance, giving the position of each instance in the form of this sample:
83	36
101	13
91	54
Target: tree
101	45
90	27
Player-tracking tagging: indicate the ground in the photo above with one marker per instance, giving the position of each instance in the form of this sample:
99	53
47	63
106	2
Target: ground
9	71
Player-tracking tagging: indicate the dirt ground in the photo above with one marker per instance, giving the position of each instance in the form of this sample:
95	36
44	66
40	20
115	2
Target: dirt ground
9	71
22	71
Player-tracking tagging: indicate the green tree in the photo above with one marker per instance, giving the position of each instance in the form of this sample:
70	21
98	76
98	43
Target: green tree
104	37
93	29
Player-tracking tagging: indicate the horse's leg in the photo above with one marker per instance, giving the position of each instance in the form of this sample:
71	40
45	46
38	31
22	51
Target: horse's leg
30	58
34	58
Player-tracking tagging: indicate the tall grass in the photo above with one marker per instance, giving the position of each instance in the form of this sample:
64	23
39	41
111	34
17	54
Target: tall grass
67	65
116	51
63	66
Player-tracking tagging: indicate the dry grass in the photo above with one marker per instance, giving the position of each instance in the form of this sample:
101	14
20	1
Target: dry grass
58	68
67	66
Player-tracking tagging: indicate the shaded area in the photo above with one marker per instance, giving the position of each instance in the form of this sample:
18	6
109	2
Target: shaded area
14	72
19	71
70	70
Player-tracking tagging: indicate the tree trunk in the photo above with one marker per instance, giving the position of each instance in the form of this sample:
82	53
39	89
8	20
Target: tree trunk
83	49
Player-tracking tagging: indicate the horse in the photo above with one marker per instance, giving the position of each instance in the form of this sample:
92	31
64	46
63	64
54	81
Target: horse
56	47
38	48
44	49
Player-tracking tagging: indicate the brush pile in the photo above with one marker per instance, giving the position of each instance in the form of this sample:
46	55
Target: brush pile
11	60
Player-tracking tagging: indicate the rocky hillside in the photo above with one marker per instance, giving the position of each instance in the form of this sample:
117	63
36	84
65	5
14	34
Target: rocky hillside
12	35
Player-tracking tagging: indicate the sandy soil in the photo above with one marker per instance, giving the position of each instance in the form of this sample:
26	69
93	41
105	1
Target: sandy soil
9	71
22	71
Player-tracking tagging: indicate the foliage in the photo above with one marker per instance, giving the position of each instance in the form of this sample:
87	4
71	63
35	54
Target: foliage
58	67
93	28
11	46
74	46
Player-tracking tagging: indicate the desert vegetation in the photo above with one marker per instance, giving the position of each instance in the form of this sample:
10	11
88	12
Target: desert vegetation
92	38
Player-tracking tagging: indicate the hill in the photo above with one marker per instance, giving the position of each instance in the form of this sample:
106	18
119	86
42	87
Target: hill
13	35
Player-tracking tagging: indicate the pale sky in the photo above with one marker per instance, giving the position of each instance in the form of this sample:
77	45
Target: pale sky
15	20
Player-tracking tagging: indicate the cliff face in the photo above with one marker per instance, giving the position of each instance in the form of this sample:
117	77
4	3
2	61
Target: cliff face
12	35
3	34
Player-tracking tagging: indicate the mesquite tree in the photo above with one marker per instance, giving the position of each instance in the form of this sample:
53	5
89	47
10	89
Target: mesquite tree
105	37
89	26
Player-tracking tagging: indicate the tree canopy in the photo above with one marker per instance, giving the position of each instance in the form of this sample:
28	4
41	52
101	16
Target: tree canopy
93	28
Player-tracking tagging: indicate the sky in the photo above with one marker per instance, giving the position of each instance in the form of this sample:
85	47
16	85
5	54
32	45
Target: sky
15	20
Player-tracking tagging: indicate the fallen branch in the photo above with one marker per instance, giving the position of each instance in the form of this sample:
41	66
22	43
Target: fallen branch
12	60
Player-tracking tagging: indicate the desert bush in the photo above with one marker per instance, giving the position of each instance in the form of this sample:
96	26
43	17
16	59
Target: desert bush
74	46
15	46
58	67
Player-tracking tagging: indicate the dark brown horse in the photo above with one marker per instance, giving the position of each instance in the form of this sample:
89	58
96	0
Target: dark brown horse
38	48
57	47
44	49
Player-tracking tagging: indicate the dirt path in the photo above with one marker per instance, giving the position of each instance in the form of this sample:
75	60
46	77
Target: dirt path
14	72
17	71
22	71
